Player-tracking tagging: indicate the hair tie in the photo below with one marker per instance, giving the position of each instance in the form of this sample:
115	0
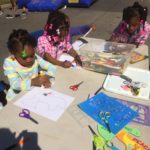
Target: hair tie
58	32
51	26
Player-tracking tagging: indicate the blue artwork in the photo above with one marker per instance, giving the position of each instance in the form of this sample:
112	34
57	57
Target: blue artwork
108	112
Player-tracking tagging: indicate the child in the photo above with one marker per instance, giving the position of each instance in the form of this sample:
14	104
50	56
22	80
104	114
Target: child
56	40
22	67
133	27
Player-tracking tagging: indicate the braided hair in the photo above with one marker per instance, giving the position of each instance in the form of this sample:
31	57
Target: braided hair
135	11
56	22
18	39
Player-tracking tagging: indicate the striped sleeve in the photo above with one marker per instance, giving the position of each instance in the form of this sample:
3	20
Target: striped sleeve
15	80
50	68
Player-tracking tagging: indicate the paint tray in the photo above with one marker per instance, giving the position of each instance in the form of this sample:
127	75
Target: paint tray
117	85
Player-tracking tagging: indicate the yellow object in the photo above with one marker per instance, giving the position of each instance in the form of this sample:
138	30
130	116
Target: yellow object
135	57
135	143
73	1
41	74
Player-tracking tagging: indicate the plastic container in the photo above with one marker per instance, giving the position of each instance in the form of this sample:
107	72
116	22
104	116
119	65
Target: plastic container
106	57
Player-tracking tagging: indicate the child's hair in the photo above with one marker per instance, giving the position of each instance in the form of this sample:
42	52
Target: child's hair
56	22
135	11
18	39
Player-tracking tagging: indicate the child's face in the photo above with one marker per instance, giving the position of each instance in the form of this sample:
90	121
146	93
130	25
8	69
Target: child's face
27	61
134	24
63	32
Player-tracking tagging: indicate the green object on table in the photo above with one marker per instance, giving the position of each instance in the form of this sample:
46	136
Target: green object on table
99	142
133	131
105	133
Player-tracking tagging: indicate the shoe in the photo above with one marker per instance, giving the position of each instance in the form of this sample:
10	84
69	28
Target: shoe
17	15
9	16
23	15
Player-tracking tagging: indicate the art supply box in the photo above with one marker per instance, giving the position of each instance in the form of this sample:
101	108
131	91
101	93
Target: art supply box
105	57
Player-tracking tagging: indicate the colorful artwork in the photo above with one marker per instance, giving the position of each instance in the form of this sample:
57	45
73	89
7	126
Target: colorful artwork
136	57
138	87
108	112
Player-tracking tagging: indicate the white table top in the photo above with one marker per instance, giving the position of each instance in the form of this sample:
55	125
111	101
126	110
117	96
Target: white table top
71	131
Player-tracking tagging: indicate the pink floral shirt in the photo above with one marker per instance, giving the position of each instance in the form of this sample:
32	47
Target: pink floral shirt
138	37
45	45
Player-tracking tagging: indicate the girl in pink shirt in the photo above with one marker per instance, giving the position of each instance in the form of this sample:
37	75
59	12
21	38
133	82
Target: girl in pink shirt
56	40
133	28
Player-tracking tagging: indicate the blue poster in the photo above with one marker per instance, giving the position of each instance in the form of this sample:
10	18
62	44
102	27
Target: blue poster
108	112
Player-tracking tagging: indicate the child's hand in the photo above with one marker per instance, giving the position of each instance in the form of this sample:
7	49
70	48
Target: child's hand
41	80
66	64
93	27
78	60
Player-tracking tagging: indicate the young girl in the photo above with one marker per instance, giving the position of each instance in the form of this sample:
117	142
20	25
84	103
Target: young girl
133	27
22	67
56	40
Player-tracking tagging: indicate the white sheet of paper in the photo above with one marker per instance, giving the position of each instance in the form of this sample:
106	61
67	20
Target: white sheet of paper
51	106
78	44
113	83
67	57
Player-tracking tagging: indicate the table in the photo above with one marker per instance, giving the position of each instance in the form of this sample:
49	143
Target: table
71	131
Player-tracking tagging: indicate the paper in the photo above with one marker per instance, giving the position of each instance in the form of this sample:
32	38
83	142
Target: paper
66	57
45	102
139	76
119	114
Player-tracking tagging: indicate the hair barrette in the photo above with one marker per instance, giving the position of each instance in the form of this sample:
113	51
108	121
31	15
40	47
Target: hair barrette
24	54
51	26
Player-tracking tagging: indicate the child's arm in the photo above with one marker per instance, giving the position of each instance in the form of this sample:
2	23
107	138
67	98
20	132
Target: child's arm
50	68
74	54
118	30
15	80
80	30
65	64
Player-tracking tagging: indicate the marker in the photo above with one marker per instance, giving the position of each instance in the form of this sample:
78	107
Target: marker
41	74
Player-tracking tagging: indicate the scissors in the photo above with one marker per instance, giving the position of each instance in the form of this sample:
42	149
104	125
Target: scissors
105	117
99	143
26	114
75	87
